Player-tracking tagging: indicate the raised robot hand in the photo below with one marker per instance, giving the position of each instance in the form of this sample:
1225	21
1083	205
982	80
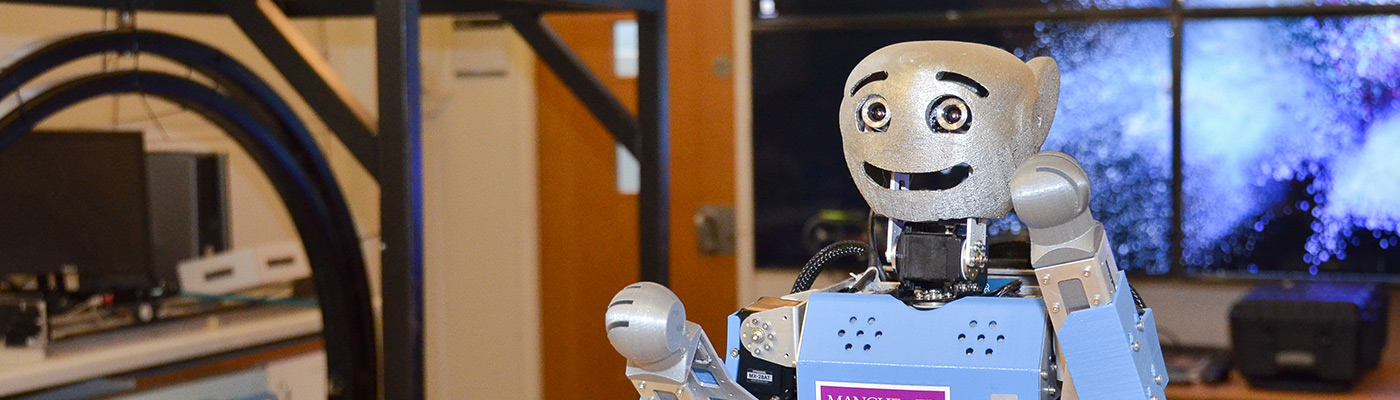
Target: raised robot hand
1050	193
1108	342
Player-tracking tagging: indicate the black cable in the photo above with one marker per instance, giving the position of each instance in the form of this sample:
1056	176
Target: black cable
1137	300
1010	289
814	266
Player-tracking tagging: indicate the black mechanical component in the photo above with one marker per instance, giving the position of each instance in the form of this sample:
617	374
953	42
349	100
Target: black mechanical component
762	378
929	263
928	259
18	324
814	266
766	380
332	245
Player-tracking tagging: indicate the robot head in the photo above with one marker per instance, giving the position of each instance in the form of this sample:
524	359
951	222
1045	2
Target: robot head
948	123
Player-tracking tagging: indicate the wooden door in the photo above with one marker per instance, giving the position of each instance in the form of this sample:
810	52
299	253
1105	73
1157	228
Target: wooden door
588	230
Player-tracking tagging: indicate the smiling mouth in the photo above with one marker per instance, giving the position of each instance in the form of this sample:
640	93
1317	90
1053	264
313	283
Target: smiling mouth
937	180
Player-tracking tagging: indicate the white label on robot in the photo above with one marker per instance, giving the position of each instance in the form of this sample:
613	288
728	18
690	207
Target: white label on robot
760	376
873	391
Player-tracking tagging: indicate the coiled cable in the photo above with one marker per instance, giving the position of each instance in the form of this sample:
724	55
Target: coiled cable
814	266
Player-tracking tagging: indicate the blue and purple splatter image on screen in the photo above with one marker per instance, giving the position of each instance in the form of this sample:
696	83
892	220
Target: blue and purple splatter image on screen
1114	117
1291	146
1120	132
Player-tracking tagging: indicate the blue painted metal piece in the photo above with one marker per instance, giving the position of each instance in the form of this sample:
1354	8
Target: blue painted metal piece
1098	346
731	363
975	347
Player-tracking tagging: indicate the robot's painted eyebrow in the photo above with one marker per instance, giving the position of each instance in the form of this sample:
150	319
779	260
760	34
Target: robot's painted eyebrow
877	76
961	79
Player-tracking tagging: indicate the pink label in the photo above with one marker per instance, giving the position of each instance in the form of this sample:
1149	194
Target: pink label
870	391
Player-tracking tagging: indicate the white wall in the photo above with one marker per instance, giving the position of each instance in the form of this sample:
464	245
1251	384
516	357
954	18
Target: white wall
482	282
481	273
746	276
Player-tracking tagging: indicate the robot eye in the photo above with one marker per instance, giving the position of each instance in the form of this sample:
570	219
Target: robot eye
873	114
949	114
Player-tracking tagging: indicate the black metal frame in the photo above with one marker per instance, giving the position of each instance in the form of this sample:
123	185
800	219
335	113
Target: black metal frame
1175	14
394	154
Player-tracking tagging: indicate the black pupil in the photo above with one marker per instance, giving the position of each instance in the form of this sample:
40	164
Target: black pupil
952	114
876	112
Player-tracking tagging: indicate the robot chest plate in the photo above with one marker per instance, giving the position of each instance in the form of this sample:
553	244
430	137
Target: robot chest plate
874	347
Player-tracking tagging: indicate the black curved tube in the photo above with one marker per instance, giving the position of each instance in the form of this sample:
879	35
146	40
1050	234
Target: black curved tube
814	266
30	62
243	85
351	356
247	89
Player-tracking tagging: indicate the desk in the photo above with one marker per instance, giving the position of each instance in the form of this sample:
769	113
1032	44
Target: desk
1382	383
125	350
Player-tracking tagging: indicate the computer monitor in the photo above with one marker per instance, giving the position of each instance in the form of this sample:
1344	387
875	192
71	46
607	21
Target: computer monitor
76	200
1288	130
1291	148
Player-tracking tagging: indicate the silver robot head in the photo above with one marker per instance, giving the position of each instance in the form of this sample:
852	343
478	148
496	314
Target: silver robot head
947	123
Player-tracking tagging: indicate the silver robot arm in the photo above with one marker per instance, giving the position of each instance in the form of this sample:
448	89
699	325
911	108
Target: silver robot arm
668	358
1108	342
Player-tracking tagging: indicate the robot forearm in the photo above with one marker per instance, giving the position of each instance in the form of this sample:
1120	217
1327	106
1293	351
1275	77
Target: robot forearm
1109	344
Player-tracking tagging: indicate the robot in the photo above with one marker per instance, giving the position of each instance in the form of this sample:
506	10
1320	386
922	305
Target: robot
940	138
